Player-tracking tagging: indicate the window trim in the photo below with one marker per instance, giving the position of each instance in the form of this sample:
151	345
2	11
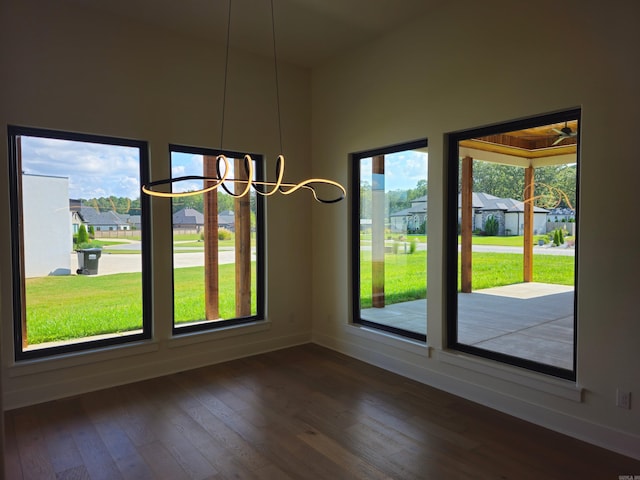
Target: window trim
18	285
355	236
211	325
451	246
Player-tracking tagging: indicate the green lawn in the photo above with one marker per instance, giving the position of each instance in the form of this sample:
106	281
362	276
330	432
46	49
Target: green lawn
68	307
76	306
405	275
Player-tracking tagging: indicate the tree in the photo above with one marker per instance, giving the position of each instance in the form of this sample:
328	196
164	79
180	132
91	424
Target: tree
83	236
556	184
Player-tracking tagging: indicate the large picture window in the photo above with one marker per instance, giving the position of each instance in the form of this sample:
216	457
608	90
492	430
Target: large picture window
78	241
217	243
390	239
512	241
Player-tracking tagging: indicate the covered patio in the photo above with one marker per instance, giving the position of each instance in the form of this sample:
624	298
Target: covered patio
530	320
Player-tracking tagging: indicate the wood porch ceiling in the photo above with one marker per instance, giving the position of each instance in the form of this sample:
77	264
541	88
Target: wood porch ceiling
528	143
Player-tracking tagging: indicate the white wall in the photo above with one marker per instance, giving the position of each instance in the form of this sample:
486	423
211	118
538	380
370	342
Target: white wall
67	68
47	226
466	65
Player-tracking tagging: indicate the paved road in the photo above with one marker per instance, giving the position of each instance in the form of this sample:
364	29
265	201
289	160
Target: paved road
110	263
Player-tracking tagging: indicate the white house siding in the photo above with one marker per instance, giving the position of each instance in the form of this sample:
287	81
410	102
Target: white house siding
514	223
47	226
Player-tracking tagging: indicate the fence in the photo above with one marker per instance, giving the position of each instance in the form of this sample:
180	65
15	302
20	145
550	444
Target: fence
117	233
570	227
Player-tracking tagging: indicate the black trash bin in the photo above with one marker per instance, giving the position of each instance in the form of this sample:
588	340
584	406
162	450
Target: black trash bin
88	261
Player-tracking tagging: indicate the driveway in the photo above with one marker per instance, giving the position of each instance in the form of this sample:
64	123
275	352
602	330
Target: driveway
110	263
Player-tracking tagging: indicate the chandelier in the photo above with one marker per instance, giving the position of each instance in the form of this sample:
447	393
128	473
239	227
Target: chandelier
264	188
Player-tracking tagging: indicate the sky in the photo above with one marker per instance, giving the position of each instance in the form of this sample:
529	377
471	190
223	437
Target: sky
94	170
402	170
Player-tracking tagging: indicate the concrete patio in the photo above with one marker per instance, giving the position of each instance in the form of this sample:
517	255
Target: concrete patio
528	320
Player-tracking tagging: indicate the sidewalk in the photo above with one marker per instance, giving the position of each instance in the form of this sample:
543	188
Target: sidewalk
110	263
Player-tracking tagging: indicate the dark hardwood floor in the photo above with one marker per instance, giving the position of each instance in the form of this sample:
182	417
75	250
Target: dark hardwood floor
304	412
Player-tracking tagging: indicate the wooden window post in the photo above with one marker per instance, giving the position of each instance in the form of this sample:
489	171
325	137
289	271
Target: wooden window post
529	192
242	222
377	231
466	222
211	290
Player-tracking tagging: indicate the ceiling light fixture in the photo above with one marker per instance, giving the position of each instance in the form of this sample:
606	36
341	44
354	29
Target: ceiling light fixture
260	187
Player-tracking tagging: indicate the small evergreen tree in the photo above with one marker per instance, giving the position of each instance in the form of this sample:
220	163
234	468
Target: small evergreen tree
491	226
83	236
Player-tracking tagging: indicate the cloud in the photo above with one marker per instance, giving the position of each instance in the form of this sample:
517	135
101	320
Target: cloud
93	169
402	170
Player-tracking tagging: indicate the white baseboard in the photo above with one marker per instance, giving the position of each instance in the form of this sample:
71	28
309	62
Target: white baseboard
603	436
29	385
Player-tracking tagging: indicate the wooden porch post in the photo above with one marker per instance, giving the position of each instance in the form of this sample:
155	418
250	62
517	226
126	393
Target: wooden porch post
529	192
242	222
210	201
377	232
466	223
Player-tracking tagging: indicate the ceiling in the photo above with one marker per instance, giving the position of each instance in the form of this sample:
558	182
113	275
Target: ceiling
531	143
308	32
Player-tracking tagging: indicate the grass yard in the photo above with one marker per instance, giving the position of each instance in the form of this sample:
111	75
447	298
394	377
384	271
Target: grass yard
76	306
405	275
189	293
68	307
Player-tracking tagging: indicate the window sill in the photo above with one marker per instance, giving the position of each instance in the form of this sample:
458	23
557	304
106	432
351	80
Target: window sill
535	381
391	339
191	338
73	359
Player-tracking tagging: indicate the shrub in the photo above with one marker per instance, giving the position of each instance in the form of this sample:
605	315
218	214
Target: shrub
558	237
83	236
491	226
92	232
224	234
412	245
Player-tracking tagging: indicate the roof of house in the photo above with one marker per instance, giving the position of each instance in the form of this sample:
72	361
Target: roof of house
485	201
226	218
413	210
188	216
93	216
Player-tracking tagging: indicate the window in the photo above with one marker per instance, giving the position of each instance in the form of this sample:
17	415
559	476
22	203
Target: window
79	241
217	244
512	242
389	232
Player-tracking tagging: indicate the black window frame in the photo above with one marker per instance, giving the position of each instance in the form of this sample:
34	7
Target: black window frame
355	159
451	245
210	325
15	201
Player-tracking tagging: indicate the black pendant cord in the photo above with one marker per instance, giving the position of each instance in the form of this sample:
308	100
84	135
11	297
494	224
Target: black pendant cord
275	66
226	74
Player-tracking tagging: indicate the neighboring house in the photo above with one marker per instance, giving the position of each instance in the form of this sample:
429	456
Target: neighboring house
508	212
561	214
101	221
191	219
227	219
47	228
74	208
188	219
135	221
410	219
